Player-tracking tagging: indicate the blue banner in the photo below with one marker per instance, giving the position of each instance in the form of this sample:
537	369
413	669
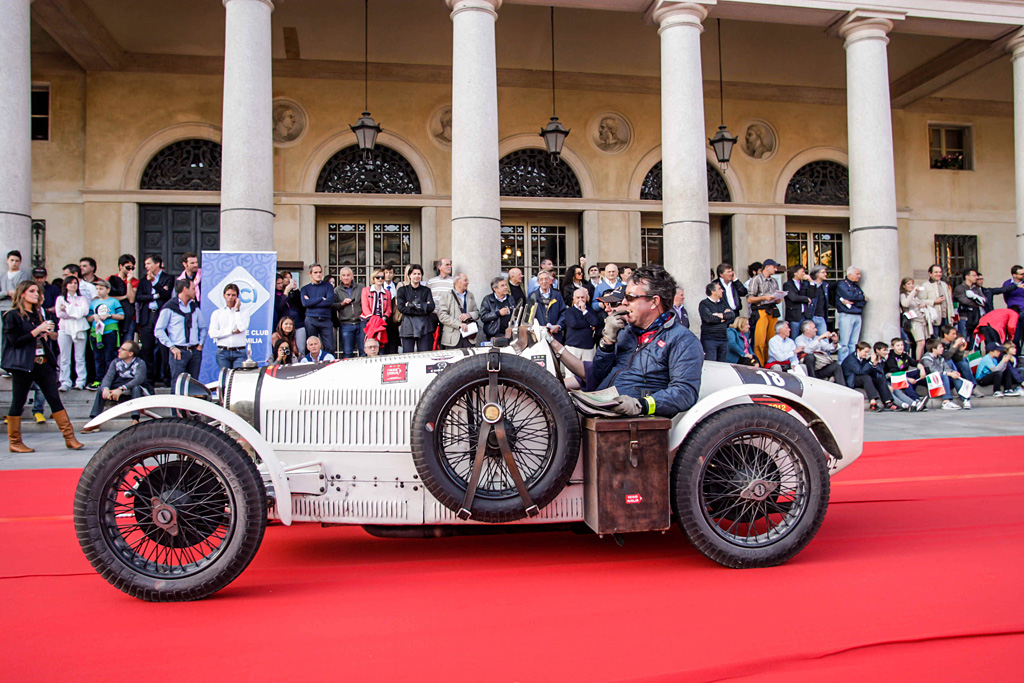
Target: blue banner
255	274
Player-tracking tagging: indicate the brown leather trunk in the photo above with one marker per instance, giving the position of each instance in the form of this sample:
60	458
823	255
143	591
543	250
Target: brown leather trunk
625	472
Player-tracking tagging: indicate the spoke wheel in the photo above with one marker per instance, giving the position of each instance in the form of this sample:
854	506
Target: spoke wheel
750	486
540	422
170	510
529	425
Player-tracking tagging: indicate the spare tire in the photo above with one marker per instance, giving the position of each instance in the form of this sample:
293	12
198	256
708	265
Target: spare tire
540	421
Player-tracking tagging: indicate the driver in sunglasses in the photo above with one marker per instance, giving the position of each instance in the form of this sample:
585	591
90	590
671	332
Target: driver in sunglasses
652	360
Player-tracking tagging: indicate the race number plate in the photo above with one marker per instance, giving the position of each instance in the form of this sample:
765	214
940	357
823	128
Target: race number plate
778	380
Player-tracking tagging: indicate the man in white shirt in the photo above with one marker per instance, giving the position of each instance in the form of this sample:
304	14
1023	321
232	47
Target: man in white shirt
781	349
819	347
229	328
443	283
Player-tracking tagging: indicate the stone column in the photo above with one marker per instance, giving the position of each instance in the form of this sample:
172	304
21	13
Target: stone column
683	142
476	218
15	130
1016	47
873	231
247	165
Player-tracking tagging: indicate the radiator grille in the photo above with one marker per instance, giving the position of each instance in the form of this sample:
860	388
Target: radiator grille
352	399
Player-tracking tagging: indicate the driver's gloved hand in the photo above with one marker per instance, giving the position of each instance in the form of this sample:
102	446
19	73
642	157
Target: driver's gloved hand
628	406
613	324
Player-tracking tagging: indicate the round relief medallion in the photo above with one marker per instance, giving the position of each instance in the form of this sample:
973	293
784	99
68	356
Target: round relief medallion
290	122
610	132
439	126
758	139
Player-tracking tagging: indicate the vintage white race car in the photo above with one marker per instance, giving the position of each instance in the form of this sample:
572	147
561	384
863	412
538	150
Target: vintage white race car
440	443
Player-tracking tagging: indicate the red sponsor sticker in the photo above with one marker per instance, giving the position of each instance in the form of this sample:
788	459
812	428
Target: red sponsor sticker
661	343
394	372
632	498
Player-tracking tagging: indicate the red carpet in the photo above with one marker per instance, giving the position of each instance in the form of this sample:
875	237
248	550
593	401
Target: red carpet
916	574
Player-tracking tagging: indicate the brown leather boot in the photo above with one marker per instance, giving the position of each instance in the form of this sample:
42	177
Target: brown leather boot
62	420
14	436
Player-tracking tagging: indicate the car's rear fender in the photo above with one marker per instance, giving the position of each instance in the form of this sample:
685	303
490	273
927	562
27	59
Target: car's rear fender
278	477
823	426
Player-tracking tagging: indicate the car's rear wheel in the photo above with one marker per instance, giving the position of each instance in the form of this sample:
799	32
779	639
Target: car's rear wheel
540	422
170	510
750	486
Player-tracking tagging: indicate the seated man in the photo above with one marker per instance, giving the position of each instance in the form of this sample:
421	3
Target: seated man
818	349
645	353
315	354
125	379
783	352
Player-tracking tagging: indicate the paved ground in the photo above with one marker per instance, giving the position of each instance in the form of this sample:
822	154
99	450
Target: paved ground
50	452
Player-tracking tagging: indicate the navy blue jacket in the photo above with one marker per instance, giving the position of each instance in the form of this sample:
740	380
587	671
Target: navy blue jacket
318	300
579	330
551	312
852	292
668	369
854	366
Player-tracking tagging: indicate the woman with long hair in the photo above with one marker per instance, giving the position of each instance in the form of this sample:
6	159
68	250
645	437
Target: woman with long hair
575	279
28	355
284	343
72	332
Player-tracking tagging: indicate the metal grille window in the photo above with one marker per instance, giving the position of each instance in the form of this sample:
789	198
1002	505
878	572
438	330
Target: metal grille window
532	173
184	165
40	112
821	183
718	191
949	147
652	245
385	172
956	254
513	247
828	252
547	241
346	246
796	249
392	243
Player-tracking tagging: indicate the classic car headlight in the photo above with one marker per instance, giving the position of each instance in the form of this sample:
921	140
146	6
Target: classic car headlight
186	385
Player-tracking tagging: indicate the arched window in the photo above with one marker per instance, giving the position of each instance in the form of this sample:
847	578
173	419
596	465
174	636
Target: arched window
385	172
820	182
718	191
532	173
184	165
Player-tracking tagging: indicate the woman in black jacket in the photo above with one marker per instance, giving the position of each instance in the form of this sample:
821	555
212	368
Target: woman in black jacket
575	279
28	355
415	302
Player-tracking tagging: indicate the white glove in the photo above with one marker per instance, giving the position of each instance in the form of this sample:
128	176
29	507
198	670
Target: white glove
613	324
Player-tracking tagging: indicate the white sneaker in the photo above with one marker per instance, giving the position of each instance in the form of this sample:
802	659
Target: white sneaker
922	405
967	404
949	405
904	406
997	394
1014	392
65	387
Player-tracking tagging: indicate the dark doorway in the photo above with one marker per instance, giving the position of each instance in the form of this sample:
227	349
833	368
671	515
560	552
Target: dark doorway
171	230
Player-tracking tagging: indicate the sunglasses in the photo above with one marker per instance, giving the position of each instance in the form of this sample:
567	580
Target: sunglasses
633	297
378	277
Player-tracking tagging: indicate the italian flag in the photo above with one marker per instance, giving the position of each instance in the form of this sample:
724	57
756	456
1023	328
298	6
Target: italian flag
898	380
973	359
935	384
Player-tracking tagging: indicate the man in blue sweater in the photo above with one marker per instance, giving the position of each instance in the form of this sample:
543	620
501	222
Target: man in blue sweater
318	298
850	301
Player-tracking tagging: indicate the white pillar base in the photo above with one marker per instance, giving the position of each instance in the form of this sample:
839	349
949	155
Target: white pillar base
15	130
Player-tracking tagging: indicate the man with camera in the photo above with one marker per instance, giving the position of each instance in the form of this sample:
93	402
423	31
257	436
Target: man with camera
645	353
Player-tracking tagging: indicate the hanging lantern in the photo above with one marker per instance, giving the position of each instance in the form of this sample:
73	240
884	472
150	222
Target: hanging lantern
554	135
723	143
366	130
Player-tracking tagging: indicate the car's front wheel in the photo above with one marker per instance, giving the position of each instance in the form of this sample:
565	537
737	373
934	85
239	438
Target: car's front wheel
750	486
170	510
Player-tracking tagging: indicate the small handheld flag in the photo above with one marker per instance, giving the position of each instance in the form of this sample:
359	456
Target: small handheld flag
935	384
973	359
898	380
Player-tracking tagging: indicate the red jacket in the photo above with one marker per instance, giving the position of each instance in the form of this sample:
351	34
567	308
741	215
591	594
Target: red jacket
1002	320
377	327
366	299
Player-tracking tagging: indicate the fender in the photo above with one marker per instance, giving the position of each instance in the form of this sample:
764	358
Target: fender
225	417
824	431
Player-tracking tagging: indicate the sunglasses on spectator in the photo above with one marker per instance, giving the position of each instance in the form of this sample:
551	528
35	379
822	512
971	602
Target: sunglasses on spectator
378	277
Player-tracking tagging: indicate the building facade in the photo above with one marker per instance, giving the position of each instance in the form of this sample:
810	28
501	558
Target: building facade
872	134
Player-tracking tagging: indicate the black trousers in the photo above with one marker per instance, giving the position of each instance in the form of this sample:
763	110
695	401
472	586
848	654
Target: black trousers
155	354
991	337
715	349
44	375
876	387
100	404
421	343
833	370
1000	380
322	328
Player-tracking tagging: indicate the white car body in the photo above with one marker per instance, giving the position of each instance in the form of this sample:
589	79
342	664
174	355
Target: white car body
333	439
